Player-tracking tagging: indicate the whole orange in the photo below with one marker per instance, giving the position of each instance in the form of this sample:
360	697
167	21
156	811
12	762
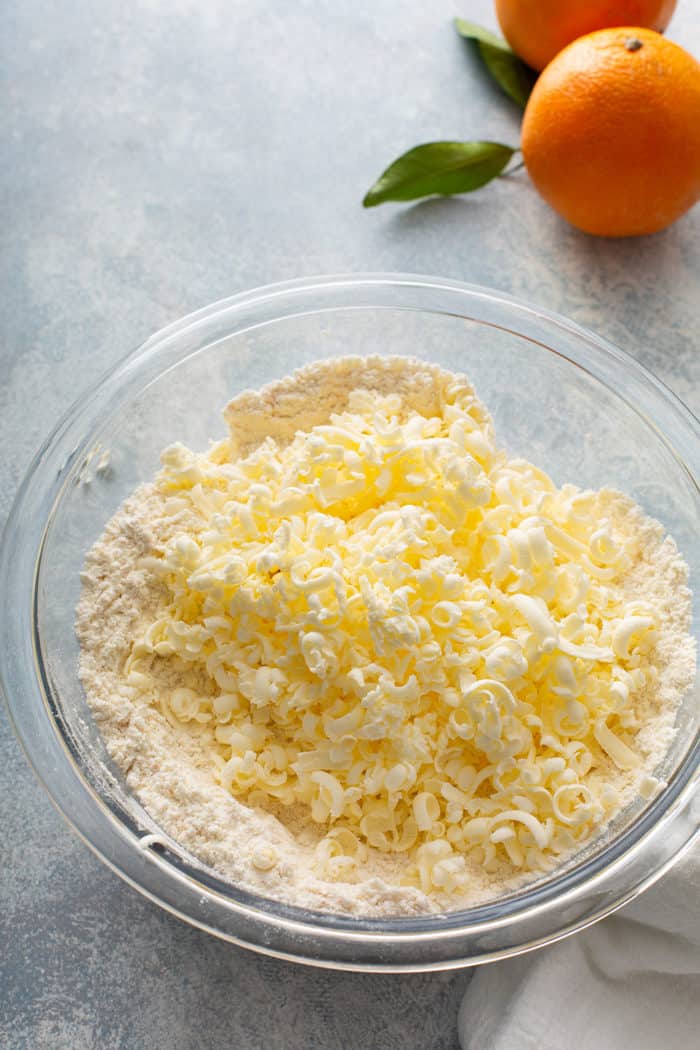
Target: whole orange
538	29
611	132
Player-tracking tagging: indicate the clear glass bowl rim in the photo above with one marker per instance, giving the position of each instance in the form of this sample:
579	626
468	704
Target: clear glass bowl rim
520	923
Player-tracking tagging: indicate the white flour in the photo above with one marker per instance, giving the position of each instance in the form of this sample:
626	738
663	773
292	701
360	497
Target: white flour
166	765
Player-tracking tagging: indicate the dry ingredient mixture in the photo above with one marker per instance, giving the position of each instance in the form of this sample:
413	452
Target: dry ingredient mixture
355	657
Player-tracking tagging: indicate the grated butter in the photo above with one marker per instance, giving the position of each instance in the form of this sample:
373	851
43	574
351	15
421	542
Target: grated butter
421	644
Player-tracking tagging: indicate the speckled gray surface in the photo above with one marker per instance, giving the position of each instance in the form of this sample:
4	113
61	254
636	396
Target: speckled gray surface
157	156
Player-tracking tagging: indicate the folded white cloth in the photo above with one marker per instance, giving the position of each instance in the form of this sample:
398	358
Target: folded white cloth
632	980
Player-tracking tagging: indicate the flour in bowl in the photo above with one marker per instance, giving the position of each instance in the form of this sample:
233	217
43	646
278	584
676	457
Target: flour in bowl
356	658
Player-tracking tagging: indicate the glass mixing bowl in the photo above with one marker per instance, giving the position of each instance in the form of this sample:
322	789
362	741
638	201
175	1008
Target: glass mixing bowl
560	396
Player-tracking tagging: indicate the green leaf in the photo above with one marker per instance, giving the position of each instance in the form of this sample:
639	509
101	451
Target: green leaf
439	168
471	31
509	71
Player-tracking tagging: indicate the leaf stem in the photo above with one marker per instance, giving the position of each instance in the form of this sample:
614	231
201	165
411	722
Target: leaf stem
512	171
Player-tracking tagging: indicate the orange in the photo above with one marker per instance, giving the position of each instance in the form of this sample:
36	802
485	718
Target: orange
538	29
611	132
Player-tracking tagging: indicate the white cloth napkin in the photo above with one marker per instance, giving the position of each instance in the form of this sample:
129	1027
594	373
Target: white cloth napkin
631	981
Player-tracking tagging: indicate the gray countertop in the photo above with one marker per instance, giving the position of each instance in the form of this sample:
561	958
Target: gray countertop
158	156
